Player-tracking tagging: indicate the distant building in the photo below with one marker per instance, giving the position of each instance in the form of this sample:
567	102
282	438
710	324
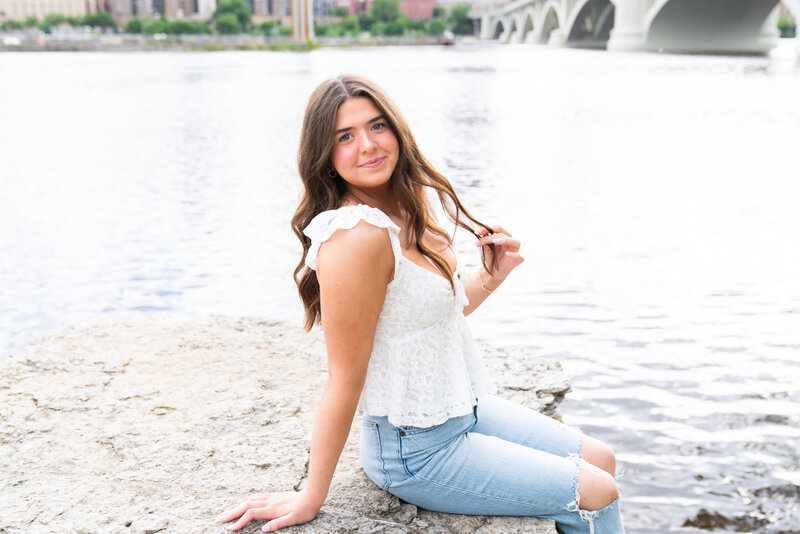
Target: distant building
413	9
262	10
324	7
122	10
205	8
180	9
417	9
358	6
21	9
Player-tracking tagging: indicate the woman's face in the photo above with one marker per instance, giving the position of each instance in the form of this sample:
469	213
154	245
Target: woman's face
365	149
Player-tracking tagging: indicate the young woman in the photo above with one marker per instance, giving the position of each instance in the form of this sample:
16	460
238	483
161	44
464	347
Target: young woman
382	277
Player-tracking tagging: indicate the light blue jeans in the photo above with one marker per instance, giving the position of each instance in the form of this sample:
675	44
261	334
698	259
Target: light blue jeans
502	459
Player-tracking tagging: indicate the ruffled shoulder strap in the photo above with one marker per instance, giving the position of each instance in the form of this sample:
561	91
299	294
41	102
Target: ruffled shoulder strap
322	227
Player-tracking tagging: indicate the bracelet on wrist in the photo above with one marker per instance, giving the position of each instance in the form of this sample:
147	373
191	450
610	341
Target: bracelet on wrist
480	277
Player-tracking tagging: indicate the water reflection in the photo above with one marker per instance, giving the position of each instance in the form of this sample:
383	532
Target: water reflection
652	194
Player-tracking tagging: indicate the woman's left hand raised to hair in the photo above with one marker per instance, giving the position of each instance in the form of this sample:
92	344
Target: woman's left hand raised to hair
506	247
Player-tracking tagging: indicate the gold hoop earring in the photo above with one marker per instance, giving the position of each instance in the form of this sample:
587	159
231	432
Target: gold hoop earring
332	173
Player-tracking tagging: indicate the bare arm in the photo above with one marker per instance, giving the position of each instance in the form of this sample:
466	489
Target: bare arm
352	290
353	269
482	283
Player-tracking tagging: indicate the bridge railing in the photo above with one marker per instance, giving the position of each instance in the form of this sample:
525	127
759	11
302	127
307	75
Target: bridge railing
482	8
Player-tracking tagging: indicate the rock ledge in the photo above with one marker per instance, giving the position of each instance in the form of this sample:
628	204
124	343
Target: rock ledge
144	424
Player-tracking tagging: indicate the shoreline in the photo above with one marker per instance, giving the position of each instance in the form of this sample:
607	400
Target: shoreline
195	43
148	424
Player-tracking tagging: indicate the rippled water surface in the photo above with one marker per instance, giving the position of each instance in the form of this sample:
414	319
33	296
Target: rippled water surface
657	197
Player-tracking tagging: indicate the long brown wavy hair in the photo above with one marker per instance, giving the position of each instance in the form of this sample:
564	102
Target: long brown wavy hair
412	174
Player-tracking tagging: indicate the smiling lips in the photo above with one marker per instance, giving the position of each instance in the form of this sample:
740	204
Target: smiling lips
372	163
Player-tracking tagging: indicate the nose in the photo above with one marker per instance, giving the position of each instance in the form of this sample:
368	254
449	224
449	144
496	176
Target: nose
367	143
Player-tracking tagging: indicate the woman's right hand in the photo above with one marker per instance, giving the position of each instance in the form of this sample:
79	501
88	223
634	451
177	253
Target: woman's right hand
280	509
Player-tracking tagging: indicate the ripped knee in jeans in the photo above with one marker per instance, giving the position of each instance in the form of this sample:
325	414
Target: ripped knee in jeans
596	491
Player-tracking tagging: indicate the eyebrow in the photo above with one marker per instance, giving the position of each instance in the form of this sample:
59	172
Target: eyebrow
379	117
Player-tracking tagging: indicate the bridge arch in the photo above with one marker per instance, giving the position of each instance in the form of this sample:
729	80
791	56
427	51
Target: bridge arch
499	29
711	25
529	25
590	23
552	17
513	30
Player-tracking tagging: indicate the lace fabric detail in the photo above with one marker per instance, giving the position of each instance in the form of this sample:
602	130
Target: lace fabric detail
424	367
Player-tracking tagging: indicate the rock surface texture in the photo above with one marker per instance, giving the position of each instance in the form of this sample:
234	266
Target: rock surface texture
145	424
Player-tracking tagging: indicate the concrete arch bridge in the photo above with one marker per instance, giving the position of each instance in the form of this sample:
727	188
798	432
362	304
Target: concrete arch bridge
716	26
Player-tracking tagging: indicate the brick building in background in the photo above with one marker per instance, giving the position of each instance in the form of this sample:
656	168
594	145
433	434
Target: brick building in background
417	9
413	9
20	9
269	9
122	10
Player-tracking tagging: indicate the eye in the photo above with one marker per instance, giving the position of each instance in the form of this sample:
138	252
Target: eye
345	137
378	126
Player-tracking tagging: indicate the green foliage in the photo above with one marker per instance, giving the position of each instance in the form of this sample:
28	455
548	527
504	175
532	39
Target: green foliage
185	27
238	8
134	25
350	25
179	27
323	30
787	26
346	26
153	26
785	22
365	21
228	24
377	29
397	26
30	21
459	21
53	19
385	10
11	25
340	11
75	21
439	12
418	26
436	26
103	19
267	28
284	31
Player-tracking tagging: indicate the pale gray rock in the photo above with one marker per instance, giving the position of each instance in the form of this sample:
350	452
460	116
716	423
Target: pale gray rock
151	425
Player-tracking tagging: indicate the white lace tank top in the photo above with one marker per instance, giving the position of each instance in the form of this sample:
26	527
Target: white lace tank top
425	367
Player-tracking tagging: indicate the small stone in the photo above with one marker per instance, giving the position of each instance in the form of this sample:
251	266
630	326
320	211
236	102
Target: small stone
150	525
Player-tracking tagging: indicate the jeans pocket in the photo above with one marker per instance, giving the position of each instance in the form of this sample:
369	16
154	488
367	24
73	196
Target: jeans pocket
412	430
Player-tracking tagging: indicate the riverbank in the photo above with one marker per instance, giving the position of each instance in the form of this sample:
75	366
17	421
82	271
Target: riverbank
144	424
192	43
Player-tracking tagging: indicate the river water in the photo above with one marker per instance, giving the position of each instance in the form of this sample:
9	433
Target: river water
657	198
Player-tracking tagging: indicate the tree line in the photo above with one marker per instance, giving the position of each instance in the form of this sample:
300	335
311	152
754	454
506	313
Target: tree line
233	17
94	20
385	19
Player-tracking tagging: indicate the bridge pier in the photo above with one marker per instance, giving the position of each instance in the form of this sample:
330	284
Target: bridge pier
557	37
629	33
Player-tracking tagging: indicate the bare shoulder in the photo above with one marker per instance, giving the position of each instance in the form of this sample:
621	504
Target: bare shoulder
364	250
